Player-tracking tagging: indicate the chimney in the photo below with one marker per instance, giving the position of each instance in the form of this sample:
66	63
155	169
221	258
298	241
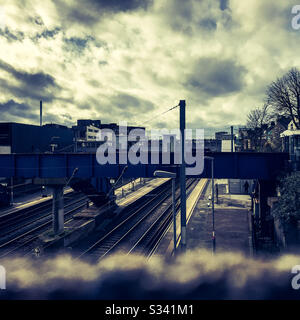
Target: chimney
41	113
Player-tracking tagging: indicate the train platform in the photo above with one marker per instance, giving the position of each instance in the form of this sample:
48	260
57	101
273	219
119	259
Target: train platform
132	191
166	245
142	187
28	200
231	222
130	187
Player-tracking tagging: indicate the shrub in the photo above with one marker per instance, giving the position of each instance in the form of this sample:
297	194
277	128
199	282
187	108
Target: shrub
288	206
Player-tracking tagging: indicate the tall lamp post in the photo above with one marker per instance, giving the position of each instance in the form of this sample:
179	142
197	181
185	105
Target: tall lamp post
213	202
166	174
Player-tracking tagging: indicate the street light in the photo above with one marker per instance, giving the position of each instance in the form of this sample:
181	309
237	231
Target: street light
213	202
53	145
166	174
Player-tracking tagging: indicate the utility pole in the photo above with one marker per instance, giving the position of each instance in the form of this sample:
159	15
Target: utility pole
41	113
213	206
212	203
182	177
172	175
231	138
174	213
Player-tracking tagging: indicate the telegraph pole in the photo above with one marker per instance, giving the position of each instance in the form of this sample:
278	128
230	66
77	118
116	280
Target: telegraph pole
213	206
231	138
182	177
41	112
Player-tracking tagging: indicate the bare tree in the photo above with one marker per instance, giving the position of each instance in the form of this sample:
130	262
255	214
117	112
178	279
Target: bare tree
258	117
257	121
283	95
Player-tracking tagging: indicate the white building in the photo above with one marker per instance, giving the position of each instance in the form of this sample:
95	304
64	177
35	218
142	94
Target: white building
91	133
291	141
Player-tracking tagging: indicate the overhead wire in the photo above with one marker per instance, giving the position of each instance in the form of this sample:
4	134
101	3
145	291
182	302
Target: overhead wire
159	114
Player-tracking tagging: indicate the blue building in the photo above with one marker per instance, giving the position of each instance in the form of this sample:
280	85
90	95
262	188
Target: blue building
25	138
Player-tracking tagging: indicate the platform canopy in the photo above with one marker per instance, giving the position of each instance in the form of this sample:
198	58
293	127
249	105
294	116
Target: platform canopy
289	133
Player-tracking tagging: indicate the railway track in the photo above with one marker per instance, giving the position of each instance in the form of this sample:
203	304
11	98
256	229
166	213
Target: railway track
15	222
23	243
21	229
149	241
126	234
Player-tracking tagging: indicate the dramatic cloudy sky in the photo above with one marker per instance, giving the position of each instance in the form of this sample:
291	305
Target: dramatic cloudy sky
132	59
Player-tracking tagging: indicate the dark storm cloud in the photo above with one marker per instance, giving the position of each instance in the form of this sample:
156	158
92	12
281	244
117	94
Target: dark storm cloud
11	35
47	34
15	109
128	105
37	80
193	16
195	275
16	35
13	105
77	15
36	85
23	91
213	77
119	107
52	118
89	12
208	23
77	44
183	9
121	5
224	4
179	15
